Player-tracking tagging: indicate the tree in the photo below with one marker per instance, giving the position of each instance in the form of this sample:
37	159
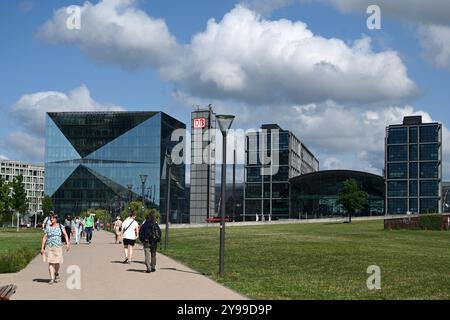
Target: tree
19	200
135	206
47	205
351	197
5	201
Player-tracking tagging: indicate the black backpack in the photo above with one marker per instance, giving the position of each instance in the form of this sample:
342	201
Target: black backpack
156	233
150	232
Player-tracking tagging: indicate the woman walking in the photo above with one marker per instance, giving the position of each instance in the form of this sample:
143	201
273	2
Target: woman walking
51	247
77	228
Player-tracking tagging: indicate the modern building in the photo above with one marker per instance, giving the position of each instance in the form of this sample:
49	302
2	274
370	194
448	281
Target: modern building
95	159
445	197
33	179
413	167
315	195
273	157
203	168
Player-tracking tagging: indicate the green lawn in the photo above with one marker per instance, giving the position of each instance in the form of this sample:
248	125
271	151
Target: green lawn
18	248
320	261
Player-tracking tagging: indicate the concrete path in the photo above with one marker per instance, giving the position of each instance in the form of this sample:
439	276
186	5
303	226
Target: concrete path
103	276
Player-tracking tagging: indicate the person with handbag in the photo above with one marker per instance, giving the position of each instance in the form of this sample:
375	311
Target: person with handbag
51	248
130	231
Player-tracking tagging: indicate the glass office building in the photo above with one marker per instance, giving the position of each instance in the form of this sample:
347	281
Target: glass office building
267	187
315	195
445	197
95	159
413	170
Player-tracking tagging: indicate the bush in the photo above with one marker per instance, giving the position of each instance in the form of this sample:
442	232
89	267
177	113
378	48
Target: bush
430	222
15	260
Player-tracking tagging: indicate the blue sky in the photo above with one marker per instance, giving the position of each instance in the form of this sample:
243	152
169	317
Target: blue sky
35	61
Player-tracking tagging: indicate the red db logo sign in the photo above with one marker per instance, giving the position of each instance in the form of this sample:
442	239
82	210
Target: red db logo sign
199	123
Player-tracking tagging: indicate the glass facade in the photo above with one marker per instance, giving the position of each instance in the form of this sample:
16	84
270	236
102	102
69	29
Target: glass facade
267	187
315	195
92	157
413	167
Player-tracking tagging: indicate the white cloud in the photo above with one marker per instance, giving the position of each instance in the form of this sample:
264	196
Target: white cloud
115	31
2	157
25	146
435	41
30	109
247	58
432	19
243	57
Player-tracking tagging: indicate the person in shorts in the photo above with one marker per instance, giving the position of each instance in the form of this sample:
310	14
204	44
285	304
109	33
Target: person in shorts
130	231
51	248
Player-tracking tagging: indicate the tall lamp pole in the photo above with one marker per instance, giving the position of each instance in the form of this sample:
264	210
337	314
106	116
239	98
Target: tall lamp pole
224	122
169	180
143	179
129	186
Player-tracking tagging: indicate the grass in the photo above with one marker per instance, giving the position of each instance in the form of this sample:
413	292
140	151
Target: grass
17	249
320	261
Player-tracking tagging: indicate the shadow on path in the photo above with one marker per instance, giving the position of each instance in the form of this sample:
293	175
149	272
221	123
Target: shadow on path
186	271
41	280
137	270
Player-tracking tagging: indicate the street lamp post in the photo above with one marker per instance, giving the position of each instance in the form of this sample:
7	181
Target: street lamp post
224	122
129	186
143	179
169	180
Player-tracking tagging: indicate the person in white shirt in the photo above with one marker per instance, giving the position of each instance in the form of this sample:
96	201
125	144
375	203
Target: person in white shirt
130	231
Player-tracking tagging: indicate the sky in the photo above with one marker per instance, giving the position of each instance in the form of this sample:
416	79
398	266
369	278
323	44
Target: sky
312	66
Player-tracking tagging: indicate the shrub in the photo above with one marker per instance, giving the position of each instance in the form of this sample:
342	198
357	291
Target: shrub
15	260
430	222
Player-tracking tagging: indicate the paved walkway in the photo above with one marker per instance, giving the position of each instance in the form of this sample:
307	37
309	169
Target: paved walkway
103	276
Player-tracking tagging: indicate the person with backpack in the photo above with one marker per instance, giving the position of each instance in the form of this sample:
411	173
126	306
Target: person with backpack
130	231
150	235
51	248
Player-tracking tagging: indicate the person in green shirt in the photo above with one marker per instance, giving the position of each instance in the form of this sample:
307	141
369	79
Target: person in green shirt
89	226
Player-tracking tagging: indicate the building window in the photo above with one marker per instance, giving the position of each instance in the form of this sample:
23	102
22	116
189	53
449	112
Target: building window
429	151
429	170
413	170
398	153
413	206
429	134
397	206
413	152
397	170
413	191
397	188
398	136
413	135
429	188
429	205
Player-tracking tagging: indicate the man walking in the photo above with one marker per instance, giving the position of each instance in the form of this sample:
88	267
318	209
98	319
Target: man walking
89	225
150	235
130	231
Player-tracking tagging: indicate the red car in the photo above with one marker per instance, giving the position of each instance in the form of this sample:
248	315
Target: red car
217	219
